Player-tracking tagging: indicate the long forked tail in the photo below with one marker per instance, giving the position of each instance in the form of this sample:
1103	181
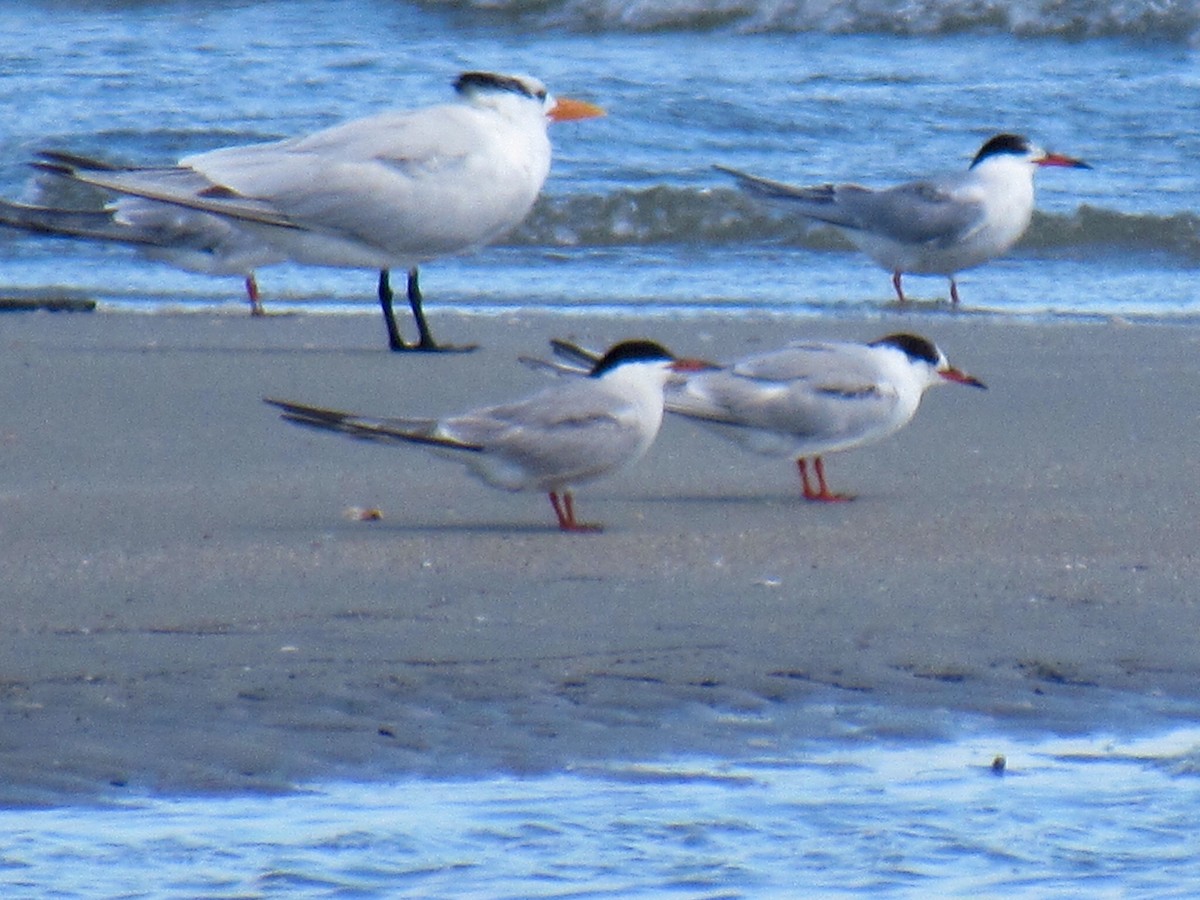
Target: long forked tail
389	431
574	354
765	188
93	224
570	359
77	161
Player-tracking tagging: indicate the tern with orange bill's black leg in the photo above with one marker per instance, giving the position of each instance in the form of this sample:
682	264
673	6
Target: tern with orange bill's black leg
563	436
935	226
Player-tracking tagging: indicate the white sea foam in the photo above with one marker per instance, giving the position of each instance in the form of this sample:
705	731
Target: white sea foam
982	815
1174	20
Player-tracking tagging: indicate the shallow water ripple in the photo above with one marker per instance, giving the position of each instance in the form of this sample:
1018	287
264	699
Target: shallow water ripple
1085	815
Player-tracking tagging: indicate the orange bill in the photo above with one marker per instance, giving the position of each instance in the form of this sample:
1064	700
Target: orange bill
565	109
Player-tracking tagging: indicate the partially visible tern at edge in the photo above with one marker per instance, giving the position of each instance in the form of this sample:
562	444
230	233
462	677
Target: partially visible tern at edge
392	190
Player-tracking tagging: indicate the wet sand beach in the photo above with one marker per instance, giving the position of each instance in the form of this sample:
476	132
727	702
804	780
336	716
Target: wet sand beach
188	603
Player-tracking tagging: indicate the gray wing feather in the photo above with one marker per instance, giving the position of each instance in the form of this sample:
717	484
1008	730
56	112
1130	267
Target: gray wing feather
922	212
919	212
803	390
568	429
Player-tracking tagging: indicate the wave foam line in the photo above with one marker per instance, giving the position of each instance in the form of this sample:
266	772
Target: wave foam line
671	215
1177	21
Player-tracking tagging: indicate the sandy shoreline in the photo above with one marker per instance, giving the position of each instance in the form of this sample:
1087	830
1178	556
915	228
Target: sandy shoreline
187	606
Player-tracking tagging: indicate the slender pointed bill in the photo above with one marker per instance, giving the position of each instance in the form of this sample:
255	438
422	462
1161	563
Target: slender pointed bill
960	377
566	109
692	365
1065	162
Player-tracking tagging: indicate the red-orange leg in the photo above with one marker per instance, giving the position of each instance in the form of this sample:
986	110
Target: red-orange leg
822	494
564	509
256	308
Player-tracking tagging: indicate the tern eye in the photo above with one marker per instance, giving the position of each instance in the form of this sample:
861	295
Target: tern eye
541	95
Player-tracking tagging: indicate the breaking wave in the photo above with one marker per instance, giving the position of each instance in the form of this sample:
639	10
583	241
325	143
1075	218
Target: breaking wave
666	215
1152	20
673	215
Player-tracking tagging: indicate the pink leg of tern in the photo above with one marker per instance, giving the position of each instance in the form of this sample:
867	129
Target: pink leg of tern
822	494
564	510
256	307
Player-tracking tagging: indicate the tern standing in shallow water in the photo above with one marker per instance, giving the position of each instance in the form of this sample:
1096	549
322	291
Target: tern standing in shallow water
189	240
810	398
935	226
566	435
390	191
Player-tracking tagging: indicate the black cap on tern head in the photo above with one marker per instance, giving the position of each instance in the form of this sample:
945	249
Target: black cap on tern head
468	82
912	345
630	351
919	349
1016	144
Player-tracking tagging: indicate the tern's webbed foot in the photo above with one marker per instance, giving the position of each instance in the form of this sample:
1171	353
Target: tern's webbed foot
564	511
430	347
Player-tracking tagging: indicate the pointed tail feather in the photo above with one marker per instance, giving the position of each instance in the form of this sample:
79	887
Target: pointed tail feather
409	431
572	359
776	190
549	366
94	224
70	161
574	354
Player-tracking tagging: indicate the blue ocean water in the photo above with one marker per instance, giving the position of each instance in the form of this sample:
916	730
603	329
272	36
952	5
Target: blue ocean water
795	91
634	220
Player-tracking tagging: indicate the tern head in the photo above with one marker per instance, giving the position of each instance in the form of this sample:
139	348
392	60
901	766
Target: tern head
1015	146
646	354
492	88
924	354
629	353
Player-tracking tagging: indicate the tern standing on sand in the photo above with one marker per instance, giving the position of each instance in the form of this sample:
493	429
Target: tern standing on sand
810	398
566	435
